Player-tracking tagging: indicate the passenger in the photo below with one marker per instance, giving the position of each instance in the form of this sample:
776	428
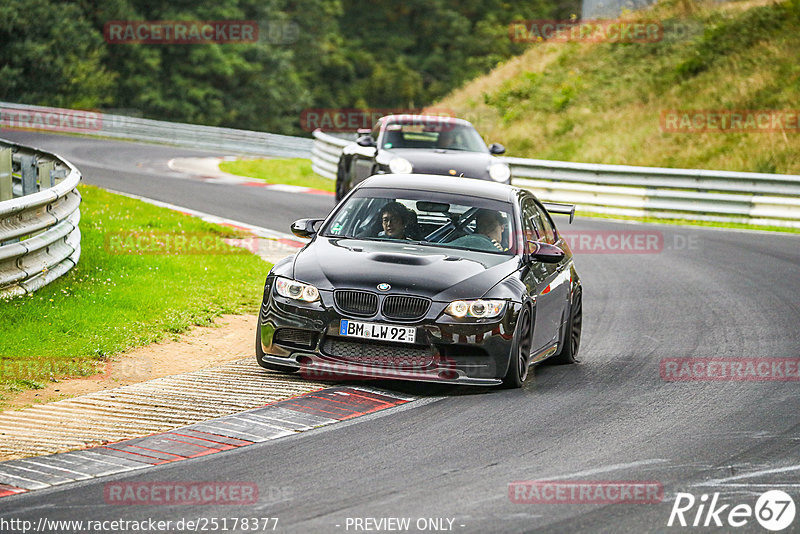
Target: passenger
446	140
488	232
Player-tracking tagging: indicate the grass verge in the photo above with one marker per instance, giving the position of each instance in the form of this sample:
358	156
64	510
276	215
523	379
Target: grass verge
689	222
604	102
145	272
289	171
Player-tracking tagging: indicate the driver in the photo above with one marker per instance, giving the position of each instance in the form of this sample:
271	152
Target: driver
446	140
394	218
488	232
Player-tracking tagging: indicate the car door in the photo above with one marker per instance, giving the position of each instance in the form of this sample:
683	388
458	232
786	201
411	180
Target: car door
542	280
559	287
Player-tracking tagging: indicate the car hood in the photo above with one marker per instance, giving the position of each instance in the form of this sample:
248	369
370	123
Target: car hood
471	164
434	272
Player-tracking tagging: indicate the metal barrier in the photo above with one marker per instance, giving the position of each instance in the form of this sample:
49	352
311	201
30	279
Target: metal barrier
39	215
325	154
752	198
124	127
720	196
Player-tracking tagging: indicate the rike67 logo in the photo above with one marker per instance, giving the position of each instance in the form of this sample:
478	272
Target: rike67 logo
774	510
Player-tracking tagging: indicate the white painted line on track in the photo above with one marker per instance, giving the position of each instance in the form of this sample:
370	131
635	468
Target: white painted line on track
773	471
207	169
608	468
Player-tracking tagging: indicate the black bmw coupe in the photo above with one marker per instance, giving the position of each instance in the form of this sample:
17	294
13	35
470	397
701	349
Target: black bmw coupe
425	278
421	144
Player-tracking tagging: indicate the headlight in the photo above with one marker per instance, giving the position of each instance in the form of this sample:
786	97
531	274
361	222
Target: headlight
292	289
400	165
479	309
499	172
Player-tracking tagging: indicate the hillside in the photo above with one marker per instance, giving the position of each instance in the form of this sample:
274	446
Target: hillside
603	102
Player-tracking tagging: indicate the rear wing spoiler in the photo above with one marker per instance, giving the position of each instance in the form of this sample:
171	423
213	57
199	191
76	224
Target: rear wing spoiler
561	209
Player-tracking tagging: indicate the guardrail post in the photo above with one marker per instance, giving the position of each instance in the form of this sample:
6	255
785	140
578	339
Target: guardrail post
6	191
58	174
28	171
45	171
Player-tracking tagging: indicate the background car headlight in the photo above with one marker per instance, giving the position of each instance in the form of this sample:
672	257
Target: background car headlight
295	290
400	165
478	309
499	172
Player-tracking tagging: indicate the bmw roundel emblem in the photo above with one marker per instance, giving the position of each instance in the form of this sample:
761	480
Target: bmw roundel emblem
384	286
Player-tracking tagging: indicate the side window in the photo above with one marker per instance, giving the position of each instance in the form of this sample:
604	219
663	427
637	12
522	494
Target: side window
529	222
548	234
376	130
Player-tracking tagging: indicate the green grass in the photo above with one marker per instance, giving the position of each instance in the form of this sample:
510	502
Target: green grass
688	222
114	301
290	171
602	102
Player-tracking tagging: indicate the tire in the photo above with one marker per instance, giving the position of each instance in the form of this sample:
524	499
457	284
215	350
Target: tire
341	180
520	357
260	354
572	335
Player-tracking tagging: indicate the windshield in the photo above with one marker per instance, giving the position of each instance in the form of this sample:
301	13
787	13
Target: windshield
435	219
445	135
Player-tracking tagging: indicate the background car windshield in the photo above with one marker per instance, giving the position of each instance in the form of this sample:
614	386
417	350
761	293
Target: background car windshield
446	135
452	221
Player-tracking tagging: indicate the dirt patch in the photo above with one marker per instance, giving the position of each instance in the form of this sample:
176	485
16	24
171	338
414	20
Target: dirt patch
232	338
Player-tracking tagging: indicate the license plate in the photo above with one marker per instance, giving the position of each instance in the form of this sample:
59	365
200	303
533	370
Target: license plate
384	332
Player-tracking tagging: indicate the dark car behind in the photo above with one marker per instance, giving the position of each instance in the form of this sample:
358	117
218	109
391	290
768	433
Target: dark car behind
420	144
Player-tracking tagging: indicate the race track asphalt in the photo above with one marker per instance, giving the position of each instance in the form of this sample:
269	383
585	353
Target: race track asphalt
703	293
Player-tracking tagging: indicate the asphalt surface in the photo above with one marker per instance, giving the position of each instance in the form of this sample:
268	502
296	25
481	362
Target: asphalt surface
705	294
141	169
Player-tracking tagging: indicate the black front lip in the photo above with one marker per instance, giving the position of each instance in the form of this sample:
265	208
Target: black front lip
316	367
444	335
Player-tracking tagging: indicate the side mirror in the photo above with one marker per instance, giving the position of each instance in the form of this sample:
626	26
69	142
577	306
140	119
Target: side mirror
545	252
365	140
497	148
305	227
364	131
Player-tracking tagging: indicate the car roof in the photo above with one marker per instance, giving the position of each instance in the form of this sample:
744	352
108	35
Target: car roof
441	184
423	118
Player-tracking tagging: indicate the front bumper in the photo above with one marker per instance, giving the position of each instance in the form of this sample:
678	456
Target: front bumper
305	338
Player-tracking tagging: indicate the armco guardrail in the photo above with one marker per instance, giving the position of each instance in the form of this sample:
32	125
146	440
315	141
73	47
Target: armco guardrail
721	196
39	215
124	127
325	154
